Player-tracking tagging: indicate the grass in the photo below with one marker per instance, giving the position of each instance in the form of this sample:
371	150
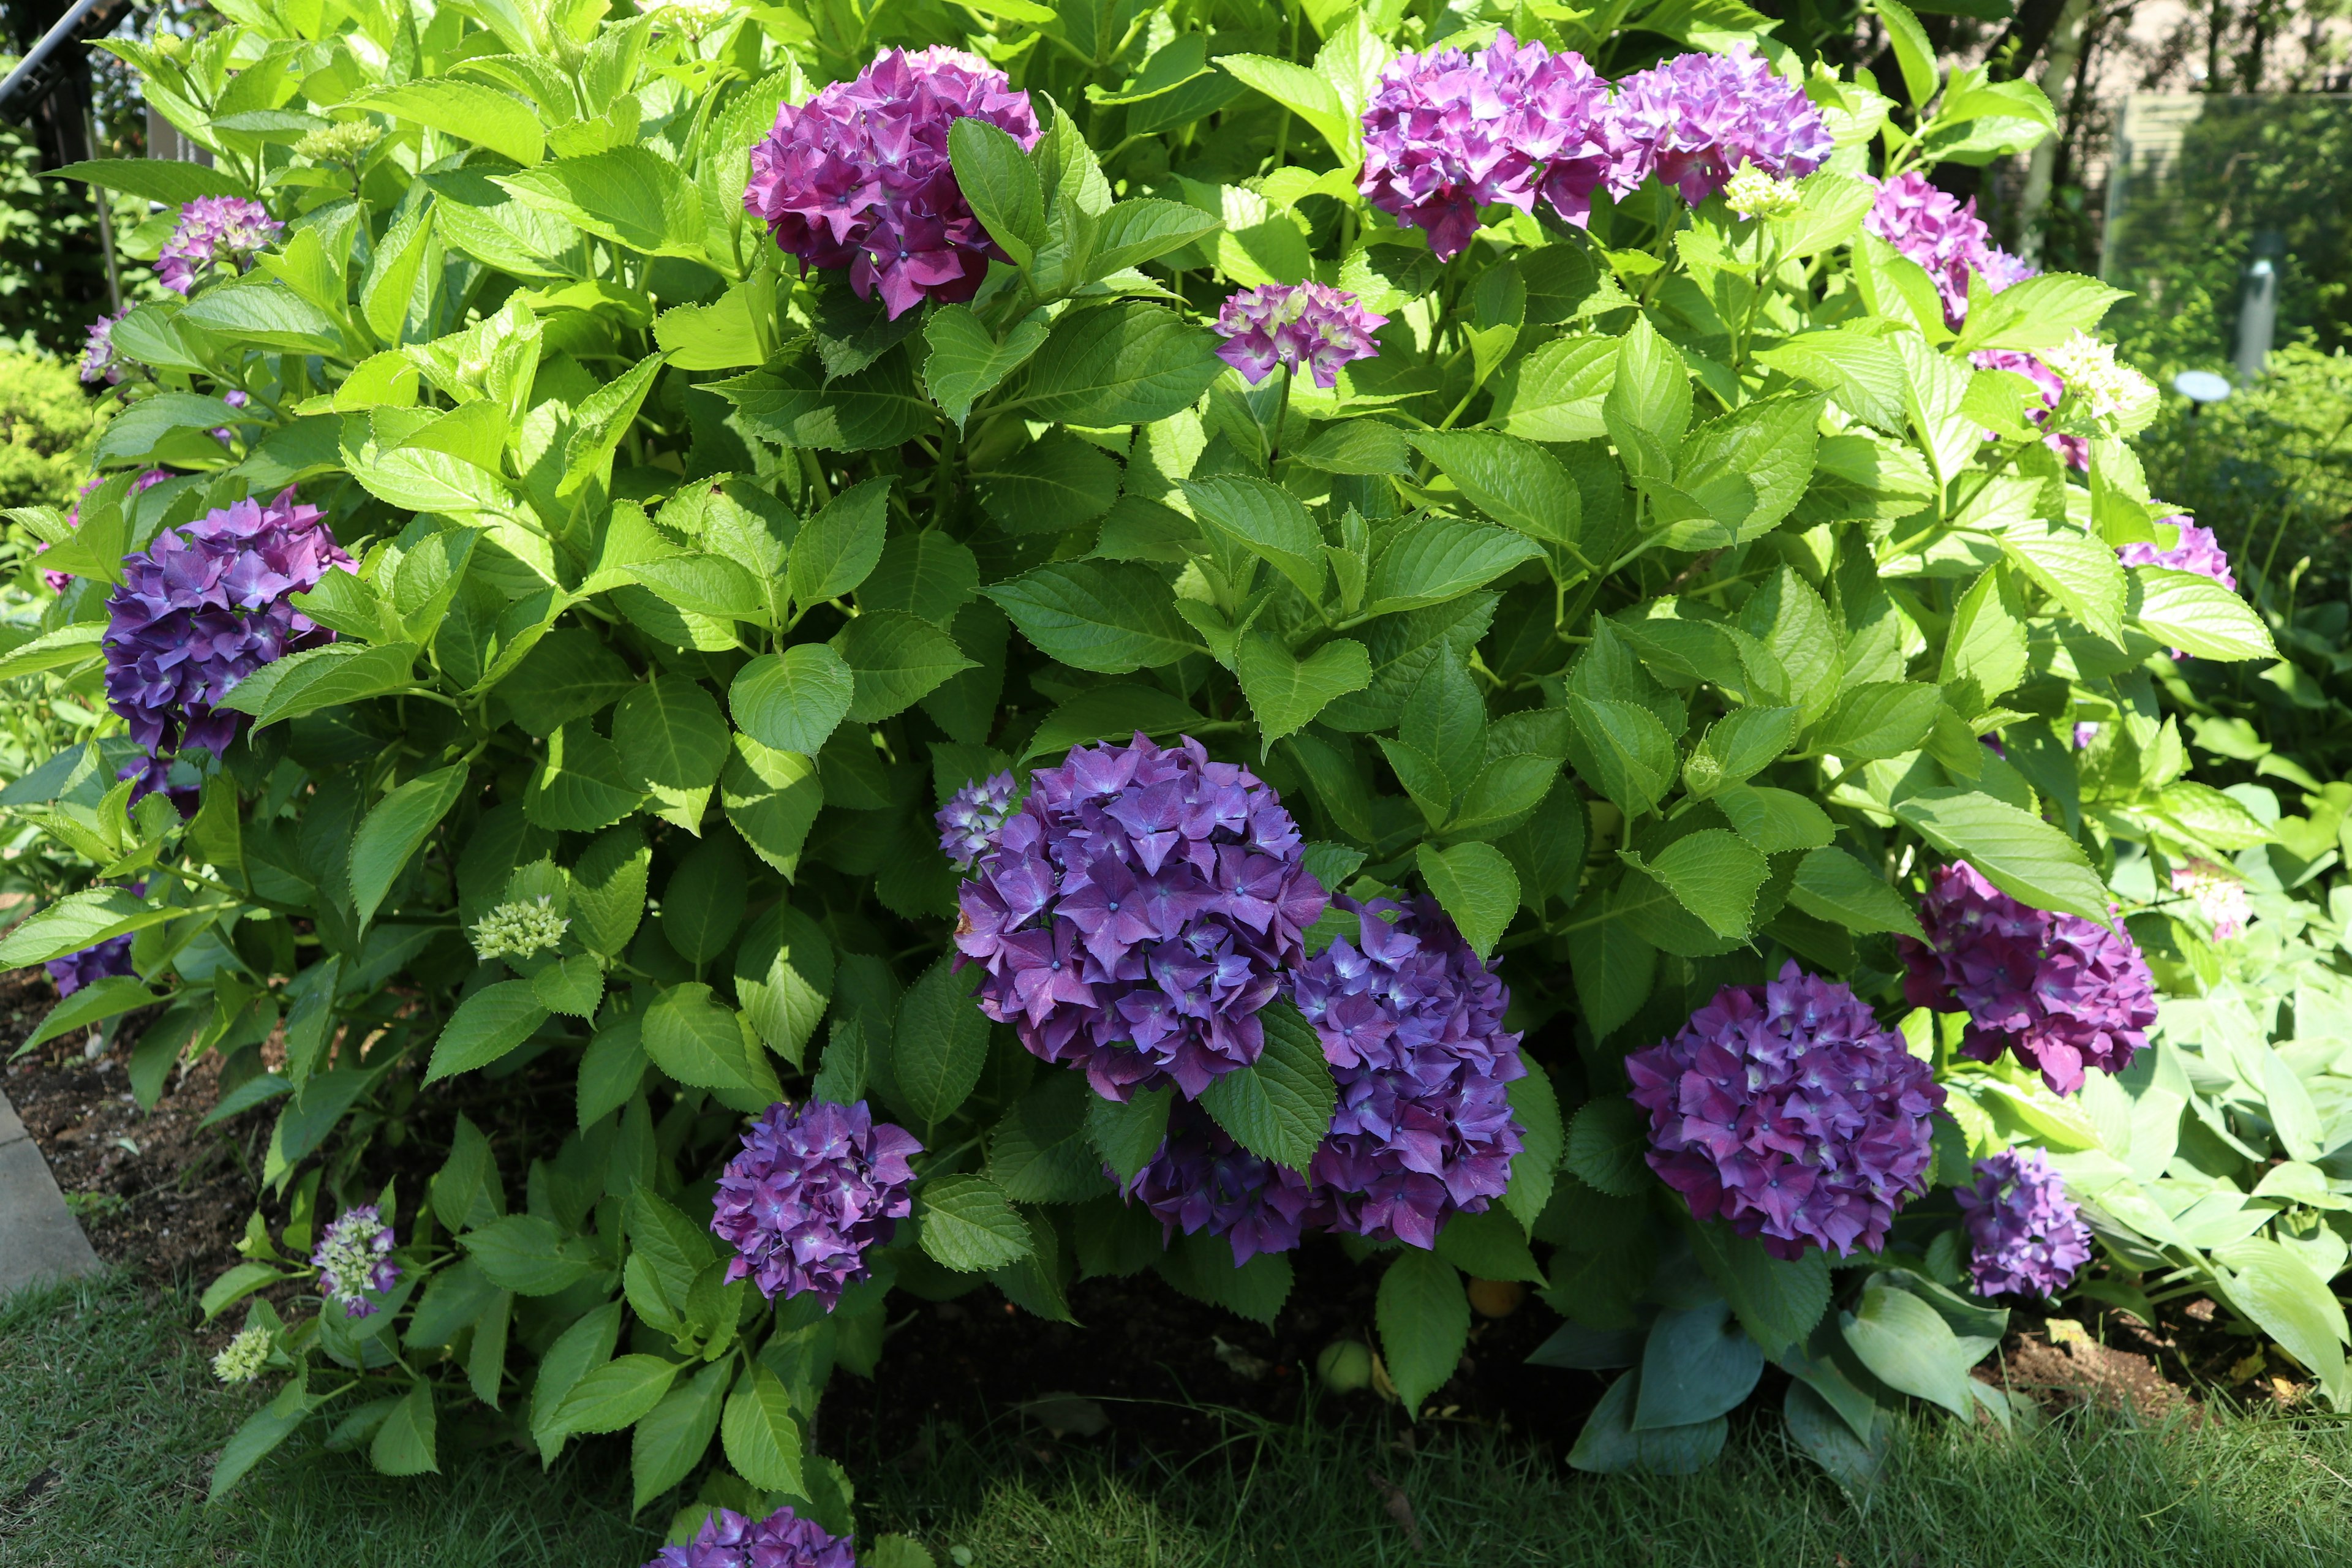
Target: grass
100	1384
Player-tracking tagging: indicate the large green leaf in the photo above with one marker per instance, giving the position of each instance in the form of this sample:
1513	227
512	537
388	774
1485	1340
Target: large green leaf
669	734
630	196
1104	615
793	701
1425	1324
480	114
2197	615
1478	886
837	547
1697	1363
967	363
1440	558
1265	519
2018	852
894	660
1515	482
1278	1108
1118	364
797	405
696	1041
940	1043
1833	886
761	1434
1286	691
487	1025
393	831
966	1224
1713	873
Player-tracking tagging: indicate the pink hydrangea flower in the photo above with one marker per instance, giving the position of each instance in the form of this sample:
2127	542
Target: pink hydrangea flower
1695	120
1310	326
214	231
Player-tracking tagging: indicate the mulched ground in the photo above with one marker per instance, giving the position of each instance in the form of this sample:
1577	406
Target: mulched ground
1146	1368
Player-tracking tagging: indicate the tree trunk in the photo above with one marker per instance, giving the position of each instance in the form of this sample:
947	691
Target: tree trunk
2057	75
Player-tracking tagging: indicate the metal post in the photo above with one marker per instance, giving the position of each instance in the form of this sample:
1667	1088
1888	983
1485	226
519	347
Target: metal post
2258	307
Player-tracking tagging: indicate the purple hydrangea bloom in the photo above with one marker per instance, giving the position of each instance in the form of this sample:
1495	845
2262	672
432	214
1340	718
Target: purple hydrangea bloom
815	1185
201	608
782	1539
972	818
59	581
1136	913
1202	1179
2063	992
859	175
2074	449
76	970
1296	325
213	230
1446	133
2195	550
2025	1235
1787	1111
1945	236
1693	120
1412	1024
354	1257
99	361
2085	731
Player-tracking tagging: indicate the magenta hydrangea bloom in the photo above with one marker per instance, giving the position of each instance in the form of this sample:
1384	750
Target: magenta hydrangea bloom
1310	326
1787	1112
354	1257
815	1185
2063	992
2074	449
2195	550
1695	119
214	231
1945	236
59	581
1446	133
2218	893
1412	1024
2026	1237
204	606
782	1539
1136	913
1202	1179
100	361
858	177
972	818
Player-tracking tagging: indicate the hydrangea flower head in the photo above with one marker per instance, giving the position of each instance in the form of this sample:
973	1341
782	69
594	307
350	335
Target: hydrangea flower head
1945	236
1202	1179
1695	119
100	360
1136	913
2218	893
2063	992
1412	1024
242	1359
103	961
1787	1112
214	231
1751	193
2026	1237
354	1257
1309	326
859	177
815	1185
2196	550
782	1539
520	927
973	816
1446	133
204	606
345	142
2111	396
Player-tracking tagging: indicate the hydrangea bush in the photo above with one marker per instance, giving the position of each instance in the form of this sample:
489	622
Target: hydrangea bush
971	660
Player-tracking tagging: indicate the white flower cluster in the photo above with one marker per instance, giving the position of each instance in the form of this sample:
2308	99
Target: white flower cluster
245	1356
519	929
2115	397
1754	194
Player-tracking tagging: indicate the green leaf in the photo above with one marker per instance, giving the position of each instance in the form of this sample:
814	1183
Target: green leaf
1713	873
580	785
321	677
893	662
616	1396
1117	711
966	1224
608	889
1860	373
998	180
1697	1363
940	1043
1620	750
586	1344
1307	93
1441	558
1130	1134
109	997
698	1042
261	1433
1833	886
1878	718
630	196
703	903
796	406
671	1439
168	181
1610	1444
485	1027
481	114
929	575
1424	1322
78	920
1779	1301
1144	229
1557	391
404	1445
574	985
568	674
1515	482
1737	746
1267	521
264	316
1053	485
1477	886
1648	406
1286	691
1915	56
2018	853
2290	1303
1907	1346
1544	1142
793	701
1279	1108
1107	617
612	1068
771	797
2077	569
1488	1245
1607	1142
762	1435
836	549
2196	614
966	362
784	976
707	586
53	650
2038	313
1118	364
669	734
394	830
527	1254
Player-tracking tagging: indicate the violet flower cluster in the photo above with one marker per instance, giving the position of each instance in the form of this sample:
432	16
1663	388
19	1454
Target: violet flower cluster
2064	993
1446	133
1945	236
1694	120
2026	1237
214	231
1136	913
76	970
2196	550
972	818
204	606
814	1186
100	359
1787	1112
1412	1024
354	1257
859	177
1202	1179
782	1539
1300	326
